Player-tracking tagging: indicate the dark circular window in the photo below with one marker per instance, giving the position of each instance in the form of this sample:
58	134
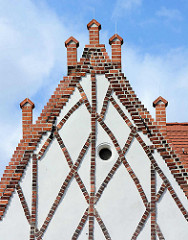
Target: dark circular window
105	153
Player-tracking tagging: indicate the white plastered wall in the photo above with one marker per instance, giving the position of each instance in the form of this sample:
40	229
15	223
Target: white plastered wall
120	205
169	217
14	224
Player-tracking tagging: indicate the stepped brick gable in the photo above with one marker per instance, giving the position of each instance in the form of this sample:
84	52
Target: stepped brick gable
96	165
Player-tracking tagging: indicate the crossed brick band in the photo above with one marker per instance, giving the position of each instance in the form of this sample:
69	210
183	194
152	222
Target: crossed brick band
92	196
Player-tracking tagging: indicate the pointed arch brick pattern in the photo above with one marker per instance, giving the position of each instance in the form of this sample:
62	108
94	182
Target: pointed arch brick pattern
94	61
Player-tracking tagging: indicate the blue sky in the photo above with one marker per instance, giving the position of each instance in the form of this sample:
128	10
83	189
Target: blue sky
33	55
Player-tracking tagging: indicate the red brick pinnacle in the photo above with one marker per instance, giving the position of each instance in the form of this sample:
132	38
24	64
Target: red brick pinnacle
160	99
71	40
93	21
160	105
116	41
25	101
94	27
71	44
115	38
27	115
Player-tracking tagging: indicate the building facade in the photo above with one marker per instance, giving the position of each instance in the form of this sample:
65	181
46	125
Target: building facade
96	165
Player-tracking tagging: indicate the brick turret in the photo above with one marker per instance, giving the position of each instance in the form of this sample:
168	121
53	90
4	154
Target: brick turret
116	41
27	115
71	44
94	27
160	105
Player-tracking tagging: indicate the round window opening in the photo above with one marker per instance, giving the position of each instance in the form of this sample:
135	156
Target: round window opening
105	153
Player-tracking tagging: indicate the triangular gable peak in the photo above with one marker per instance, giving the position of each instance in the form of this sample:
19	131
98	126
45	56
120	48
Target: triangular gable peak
95	62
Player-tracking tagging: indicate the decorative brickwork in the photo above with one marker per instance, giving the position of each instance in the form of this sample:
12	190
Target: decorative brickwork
71	44
94	61
160	105
27	115
94	27
116	41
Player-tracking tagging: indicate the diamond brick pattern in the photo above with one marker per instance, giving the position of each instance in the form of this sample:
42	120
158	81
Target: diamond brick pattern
94	61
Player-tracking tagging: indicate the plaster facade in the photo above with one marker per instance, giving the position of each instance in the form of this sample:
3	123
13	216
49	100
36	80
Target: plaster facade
66	190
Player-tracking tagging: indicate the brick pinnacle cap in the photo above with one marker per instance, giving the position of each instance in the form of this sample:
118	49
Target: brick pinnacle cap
70	40
114	37
93	22
25	101
160	99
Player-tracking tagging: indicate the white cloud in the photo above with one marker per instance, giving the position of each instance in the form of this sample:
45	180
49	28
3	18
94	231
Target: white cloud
28	44
169	14
123	6
165	75
31	51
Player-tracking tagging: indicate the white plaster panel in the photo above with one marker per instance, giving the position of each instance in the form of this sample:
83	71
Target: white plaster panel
123	108
14	225
102	87
103	167
75	131
163	166
159	182
171	221
120	206
42	142
86	85
141	165
67	215
84	169
52	171
145	233
98	234
117	125
26	184
84	233
74	98
145	138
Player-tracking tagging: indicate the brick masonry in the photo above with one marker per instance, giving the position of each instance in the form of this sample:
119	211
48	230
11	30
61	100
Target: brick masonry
94	61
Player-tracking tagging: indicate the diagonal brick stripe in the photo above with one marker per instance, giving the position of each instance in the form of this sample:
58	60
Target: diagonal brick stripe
45	146
163	177
62	190
123	159
114	168
105	102
102	225
70	112
161	192
159	233
23	202
141	223
80	225
70	163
